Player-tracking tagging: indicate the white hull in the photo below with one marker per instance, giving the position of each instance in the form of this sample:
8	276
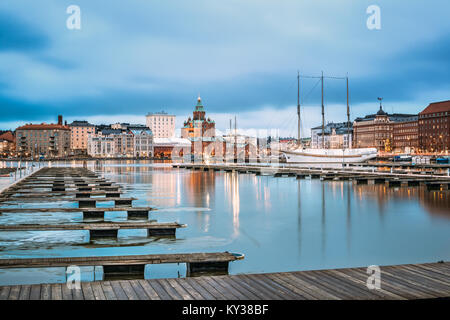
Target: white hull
329	155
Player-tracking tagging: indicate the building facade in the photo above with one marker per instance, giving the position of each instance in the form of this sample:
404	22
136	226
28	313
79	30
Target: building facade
48	140
406	135
377	130
434	128
7	144
143	142
336	136
201	131
79	133
161	124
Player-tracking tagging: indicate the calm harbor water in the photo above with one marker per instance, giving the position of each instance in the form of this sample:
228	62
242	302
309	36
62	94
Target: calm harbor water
280	224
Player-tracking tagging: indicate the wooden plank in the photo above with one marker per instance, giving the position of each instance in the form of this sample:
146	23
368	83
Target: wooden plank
118	260
91	226
262	287
35	293
430	274
163	295
128	289
346	286
4	292
281	290
77	294
98	291
14	293
181	291
169	289
302	294
56	291
120	294
142	295
196	286
66	292
244	283
151	293
305	276
425	278
87	291
224	290
228	287
25	292
313	288
361	275
249	295
381	293
186	286
109	209
46	291
108	290
216	293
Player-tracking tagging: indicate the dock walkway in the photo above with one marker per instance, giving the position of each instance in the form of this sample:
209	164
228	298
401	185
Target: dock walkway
403	282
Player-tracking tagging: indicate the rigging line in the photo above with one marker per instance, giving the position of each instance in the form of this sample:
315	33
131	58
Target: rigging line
304	99
271	120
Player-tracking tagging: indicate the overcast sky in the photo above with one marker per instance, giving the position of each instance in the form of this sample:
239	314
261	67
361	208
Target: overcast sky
138	56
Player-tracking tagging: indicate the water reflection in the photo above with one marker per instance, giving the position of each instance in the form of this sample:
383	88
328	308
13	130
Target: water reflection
280	224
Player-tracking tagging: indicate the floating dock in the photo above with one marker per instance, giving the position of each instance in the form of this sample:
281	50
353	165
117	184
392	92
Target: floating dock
403	282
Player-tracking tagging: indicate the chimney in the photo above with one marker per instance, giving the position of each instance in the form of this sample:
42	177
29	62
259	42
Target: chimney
65	123
60	120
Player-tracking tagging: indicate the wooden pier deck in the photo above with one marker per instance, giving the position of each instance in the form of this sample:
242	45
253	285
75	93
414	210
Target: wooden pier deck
403	282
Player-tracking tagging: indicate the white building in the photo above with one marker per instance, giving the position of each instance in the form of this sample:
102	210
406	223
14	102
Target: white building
161	124
143	142
101	146
336	136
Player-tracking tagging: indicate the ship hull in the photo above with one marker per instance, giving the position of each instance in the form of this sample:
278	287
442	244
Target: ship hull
329	155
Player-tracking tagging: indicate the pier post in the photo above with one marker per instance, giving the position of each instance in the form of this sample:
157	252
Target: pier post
86	203
93	214
137	214
161	232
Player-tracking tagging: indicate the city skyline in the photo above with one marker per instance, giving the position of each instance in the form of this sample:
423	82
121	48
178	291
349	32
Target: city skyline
133	59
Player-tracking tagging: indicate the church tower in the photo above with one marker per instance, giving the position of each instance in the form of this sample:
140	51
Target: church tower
199	112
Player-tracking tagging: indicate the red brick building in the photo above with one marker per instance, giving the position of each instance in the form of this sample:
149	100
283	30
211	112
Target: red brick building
7	144
434	128
405	135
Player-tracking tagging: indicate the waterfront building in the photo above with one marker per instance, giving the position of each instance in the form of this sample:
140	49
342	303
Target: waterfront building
405	135
7	144
161	124
335	136
377	130
201	131
164	147
49	140
143	142
434	128
79	133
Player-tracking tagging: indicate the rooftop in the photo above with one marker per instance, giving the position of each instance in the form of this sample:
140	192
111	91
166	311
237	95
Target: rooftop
43	126
442	106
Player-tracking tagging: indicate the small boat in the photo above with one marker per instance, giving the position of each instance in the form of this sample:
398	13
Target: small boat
402	158
443	160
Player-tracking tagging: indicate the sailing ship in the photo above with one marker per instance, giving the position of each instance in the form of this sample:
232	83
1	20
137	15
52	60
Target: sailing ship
299	154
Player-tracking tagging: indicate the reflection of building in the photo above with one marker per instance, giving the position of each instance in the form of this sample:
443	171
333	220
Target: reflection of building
377	130
336	136
79	132
7	144
161	124
199	130
434	127
43	139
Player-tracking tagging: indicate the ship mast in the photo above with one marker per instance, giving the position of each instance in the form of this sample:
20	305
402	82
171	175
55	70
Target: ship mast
298	109
348	118
323	117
